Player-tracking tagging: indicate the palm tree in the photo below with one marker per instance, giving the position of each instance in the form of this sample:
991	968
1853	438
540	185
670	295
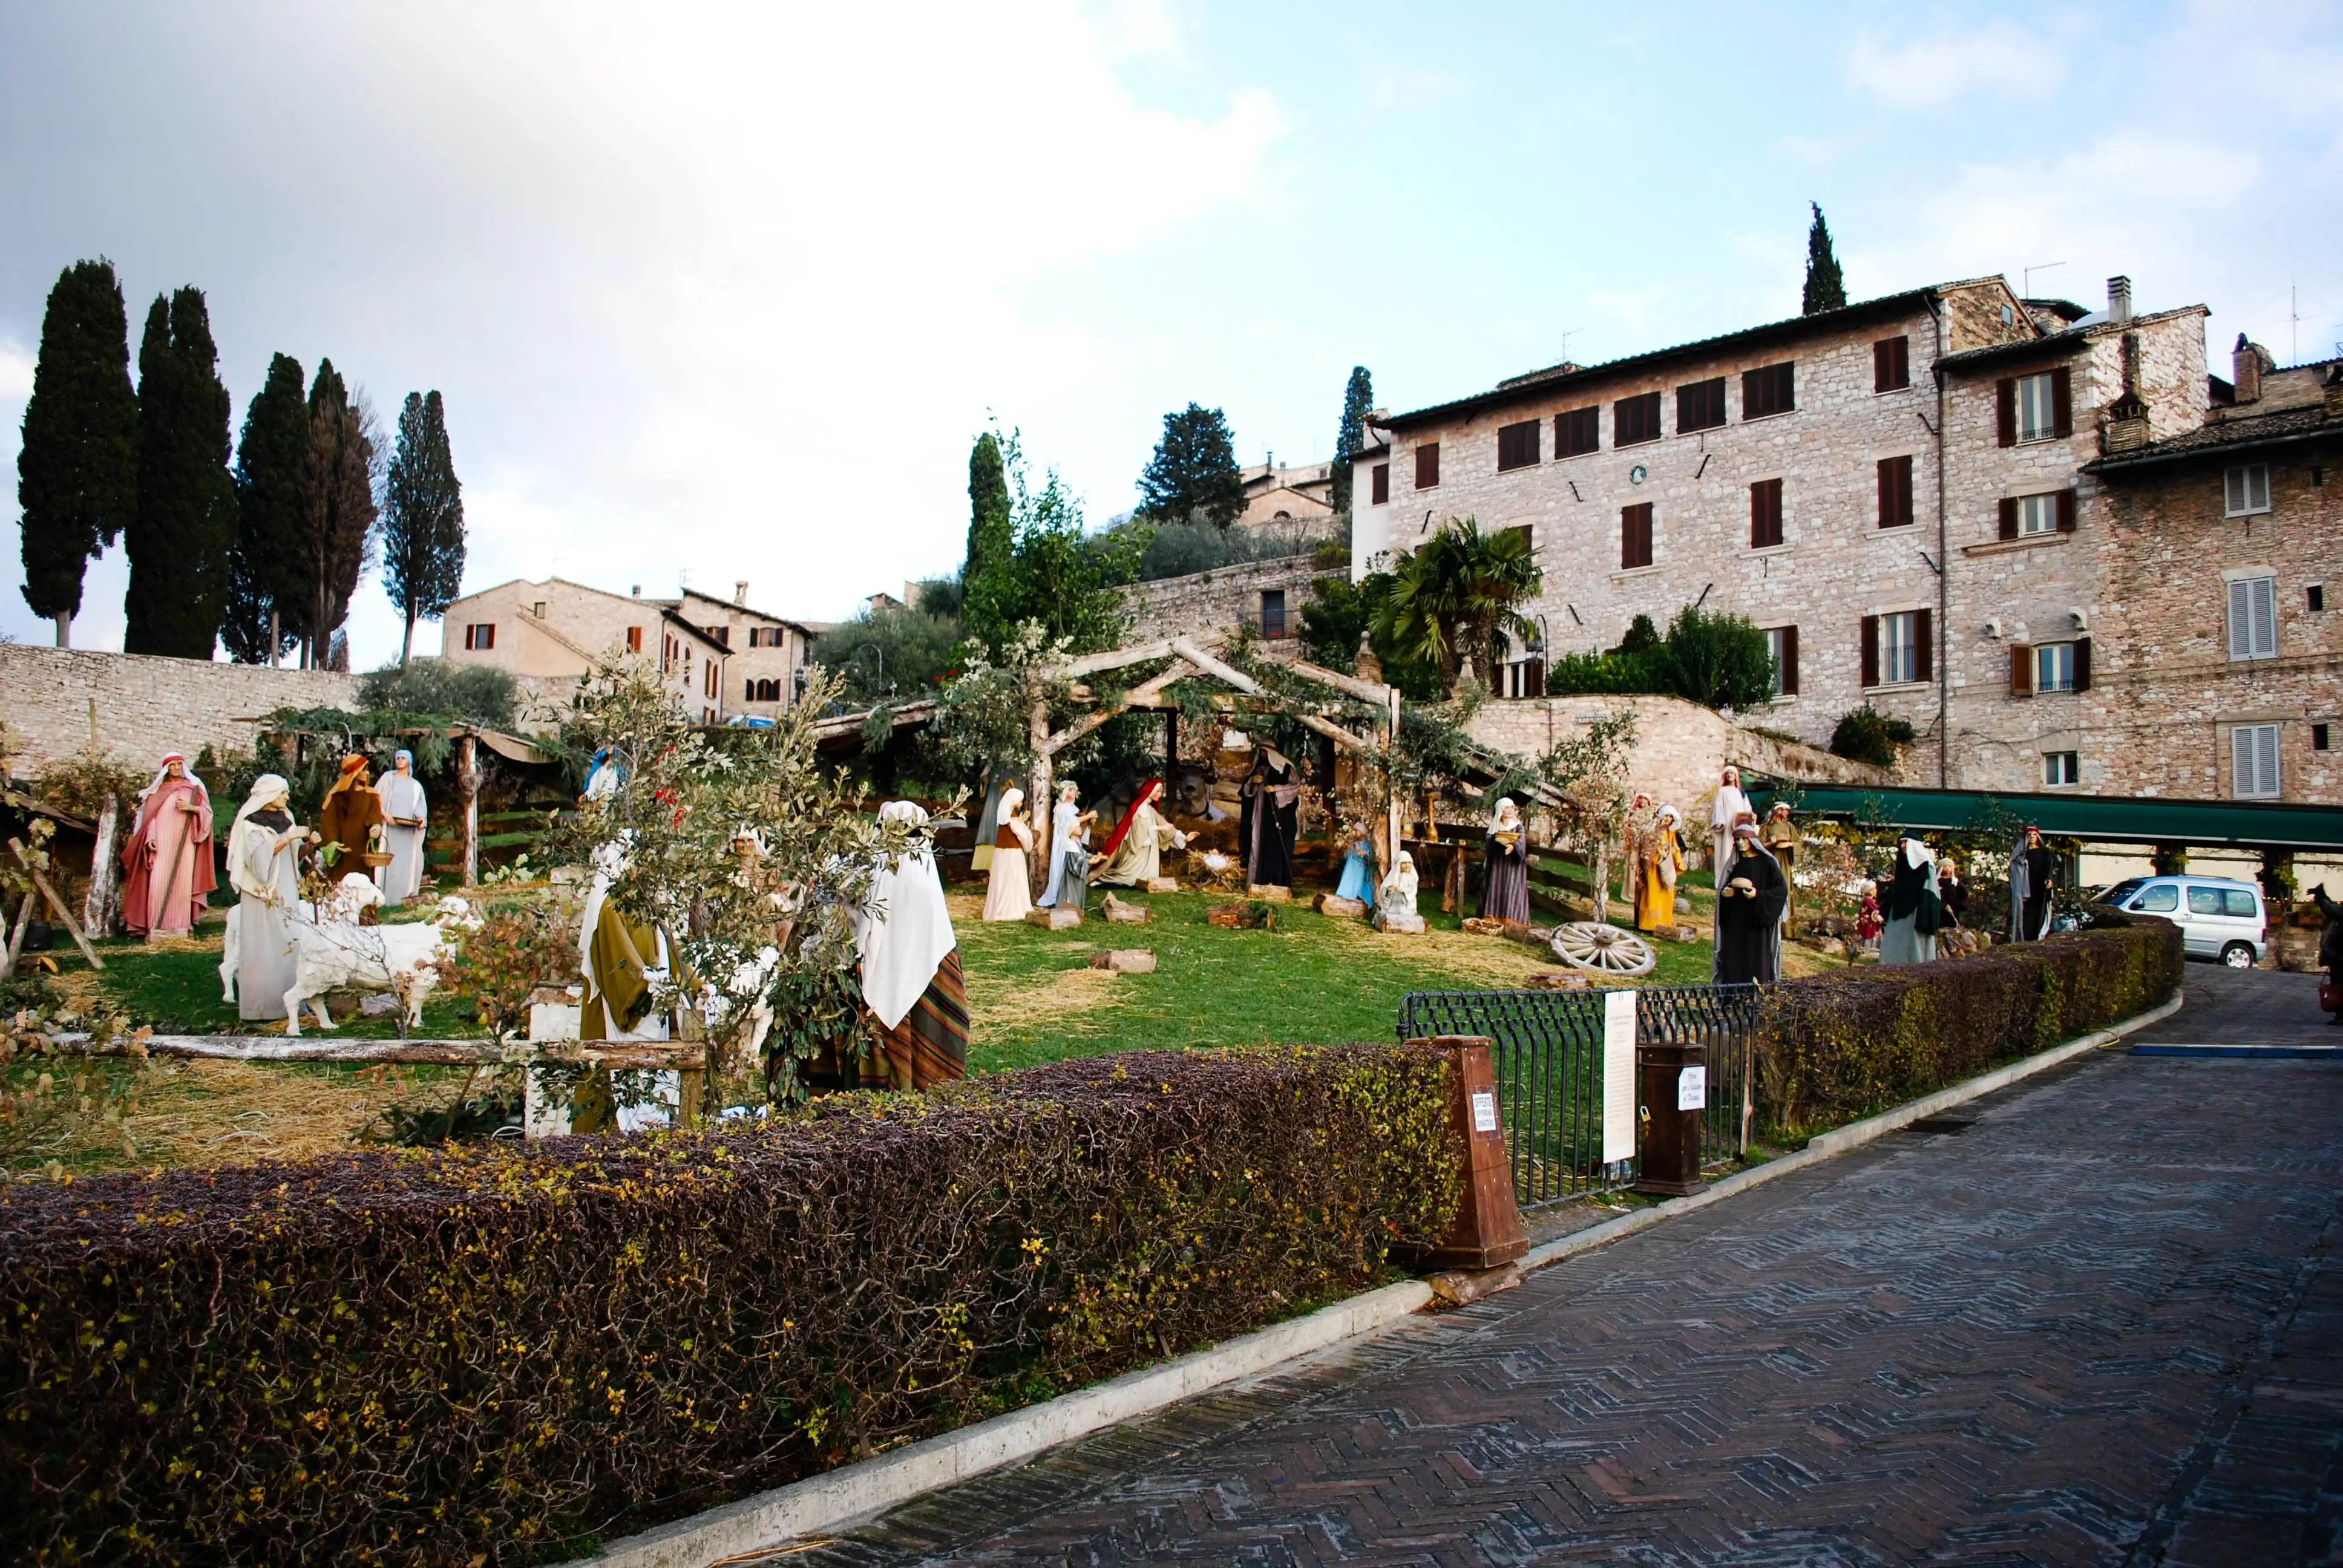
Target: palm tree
1448	602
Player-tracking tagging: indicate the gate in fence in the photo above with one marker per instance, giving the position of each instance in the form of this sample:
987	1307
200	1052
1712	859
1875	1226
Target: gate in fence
1548	1051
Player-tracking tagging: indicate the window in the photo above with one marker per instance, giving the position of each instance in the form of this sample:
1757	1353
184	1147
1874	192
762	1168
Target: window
1517	445
2244	490
1635	536
1891	365
1272	612
2031	517
1379	485
2035	407
2319	737
722	634
1769	389
2313	600
1765	514
2060	768
2205	900
2253	762
2163	901
1521	677
2253	618
537	609
1894	490
1782	647
1635	419
1427	466
768	636
1700	405
479	636
634	640
2239	905
1578	432
2053	666
707	679
1898	648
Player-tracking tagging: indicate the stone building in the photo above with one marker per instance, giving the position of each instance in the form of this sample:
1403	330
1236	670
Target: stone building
1917	497
1266	596
1275	494
719	657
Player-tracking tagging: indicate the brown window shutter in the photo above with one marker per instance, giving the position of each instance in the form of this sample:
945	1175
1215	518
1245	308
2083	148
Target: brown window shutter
1870	650
2065	511
2082	664
1381	492
1534	677
1789	661
2021	670
1882	364
1427	466
2062	399
2009	516
1924	640
2005	396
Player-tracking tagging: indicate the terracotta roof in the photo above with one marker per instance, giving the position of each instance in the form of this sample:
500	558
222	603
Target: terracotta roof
2224	437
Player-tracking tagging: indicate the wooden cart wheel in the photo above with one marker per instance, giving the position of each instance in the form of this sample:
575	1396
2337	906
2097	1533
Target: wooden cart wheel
1604	950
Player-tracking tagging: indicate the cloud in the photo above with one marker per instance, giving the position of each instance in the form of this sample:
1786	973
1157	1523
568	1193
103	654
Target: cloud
1934	70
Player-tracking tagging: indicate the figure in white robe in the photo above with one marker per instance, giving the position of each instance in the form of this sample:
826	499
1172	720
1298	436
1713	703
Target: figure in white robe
1069	852
1133	856
263	867
1727	807
1008	892
404	815
1395	900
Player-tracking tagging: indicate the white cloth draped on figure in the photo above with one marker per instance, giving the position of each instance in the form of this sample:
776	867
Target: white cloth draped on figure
903	929
1724	812
265	870
403	804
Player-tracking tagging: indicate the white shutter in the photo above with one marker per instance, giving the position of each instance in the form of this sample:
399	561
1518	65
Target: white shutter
2265	605
2240	621
2253	761
2233	491
2266	758
2241	761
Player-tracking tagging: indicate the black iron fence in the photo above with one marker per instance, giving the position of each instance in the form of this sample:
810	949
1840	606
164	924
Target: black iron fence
1547	1053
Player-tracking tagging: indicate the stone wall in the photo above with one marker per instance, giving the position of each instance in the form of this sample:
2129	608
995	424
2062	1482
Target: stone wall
141	705
1222	599
1680	750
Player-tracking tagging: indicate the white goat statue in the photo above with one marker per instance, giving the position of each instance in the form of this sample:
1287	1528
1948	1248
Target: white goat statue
334	952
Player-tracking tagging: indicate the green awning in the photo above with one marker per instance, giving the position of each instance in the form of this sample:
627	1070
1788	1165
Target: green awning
2103	818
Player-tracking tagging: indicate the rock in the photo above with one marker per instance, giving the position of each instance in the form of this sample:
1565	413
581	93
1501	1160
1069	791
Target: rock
1057	919
1122	914
1242	916
1275	895
382	1004
1163	884
1455	1287
1406	925
1559	980
1341	908
1830	947
1676	933
1125	961
1481	927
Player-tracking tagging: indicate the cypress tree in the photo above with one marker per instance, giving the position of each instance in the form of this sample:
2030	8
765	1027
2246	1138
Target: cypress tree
184	524
991	541
1357	399
337	508
267	602
423	518
1193	470
77	470
1825	289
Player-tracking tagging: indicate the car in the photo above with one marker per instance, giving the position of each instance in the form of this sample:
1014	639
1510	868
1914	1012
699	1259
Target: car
2220	918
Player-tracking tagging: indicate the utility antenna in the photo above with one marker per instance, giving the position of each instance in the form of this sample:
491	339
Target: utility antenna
2026	272
2294	323
1566	336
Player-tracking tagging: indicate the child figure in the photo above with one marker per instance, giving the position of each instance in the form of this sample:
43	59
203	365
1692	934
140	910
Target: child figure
1867	923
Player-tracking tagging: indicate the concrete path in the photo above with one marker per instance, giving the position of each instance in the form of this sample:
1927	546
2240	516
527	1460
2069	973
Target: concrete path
2096	1319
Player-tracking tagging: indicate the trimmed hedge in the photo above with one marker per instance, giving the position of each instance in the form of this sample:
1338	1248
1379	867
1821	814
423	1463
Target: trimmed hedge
1840	1046
497	1354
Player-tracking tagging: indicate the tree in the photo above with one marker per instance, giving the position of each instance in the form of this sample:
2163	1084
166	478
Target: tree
887	654
184	526
267	602
422	520
1825	289
337	509
447	689
1194	470
989	532
1052	575
1715	660
1448	601
1351	433
77	470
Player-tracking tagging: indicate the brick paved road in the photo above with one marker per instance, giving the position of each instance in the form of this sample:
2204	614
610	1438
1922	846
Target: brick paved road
2099	1324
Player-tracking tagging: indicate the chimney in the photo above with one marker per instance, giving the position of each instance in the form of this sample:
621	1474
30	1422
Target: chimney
2126	427
741	590
2245	370
2119	299
2335	392
639	590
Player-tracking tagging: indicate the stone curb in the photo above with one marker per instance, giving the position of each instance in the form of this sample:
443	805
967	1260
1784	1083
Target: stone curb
1840	1140
820	1503
769	1520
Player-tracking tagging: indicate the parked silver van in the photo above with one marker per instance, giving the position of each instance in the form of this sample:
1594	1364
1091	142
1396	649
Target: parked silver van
2218	918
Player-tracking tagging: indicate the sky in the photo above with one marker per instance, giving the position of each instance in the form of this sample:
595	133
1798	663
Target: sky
724	292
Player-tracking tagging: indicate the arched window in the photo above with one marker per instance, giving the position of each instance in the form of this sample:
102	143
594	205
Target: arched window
764	691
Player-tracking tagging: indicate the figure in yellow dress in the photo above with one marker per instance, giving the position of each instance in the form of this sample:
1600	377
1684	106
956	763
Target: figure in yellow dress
1664	859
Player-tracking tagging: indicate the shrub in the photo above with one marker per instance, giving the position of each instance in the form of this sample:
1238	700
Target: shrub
1866	735
1715	660
491	1355
478	692
1839	1046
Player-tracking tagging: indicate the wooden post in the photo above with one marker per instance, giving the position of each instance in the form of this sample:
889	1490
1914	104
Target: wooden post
16	937
65	915
99	910
1488	1229
469	776
1040	786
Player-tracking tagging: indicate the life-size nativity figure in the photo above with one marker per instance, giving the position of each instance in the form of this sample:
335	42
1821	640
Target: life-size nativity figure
1751	892
263	867
1505	877
167	863
1133	856
1069	852
405	815
1007	895
1268	819
912	980
351	813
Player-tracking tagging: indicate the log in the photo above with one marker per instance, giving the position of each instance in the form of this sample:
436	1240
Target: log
73	929
426	1052
467	775
1365	690
16	937
98	910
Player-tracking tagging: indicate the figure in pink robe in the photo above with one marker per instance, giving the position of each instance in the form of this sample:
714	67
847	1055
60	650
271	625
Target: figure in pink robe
166	865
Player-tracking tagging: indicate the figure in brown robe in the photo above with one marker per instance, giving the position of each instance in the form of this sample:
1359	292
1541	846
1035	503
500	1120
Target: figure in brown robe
351	813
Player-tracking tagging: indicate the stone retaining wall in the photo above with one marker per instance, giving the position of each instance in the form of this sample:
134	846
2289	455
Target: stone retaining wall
1222	599
139	706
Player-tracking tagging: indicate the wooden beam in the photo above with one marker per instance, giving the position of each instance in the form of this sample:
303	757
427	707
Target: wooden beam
1186	649
72	927
1144	695
426	1052
1116	658
1365	691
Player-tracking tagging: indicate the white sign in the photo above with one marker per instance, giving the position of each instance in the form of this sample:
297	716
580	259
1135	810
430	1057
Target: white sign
1691	1089
1618	1076
1485	1111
